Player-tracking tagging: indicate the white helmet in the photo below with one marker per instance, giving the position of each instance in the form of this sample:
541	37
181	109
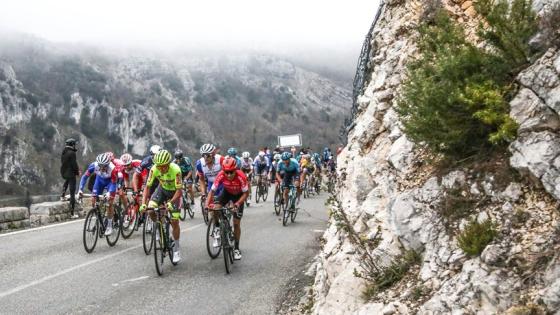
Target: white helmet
103	159
246	155
261	153
277	156
207	148
126	159
154	149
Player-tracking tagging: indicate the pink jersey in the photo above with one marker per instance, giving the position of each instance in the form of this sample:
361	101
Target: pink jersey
235	186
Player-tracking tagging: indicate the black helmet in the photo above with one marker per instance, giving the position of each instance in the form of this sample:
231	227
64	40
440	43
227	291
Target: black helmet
71	142
178	154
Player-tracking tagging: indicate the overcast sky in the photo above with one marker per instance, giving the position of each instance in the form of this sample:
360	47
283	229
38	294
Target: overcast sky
250	24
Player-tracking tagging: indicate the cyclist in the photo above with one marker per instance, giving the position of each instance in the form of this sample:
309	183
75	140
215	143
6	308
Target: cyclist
186	169
232	152
126	165
261	165
141	174
331	165
107	176
170	190
247	168
208	167
236	190
326	155
274	170
306	168
288	174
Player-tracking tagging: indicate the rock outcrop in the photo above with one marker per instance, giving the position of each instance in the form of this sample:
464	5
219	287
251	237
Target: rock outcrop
391	201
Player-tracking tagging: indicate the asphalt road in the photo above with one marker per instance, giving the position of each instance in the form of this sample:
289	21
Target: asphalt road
47	270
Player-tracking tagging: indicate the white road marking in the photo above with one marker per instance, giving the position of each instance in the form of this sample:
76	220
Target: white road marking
318	231
41	228
130	280
65	271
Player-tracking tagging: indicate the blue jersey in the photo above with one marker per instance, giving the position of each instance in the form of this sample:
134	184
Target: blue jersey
146	164
293	167
237	161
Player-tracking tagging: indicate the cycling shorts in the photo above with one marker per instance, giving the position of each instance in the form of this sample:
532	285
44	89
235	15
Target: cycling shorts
101	184
224	198
163	195
288	178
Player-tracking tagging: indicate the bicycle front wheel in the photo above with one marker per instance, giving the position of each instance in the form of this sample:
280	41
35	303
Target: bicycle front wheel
147	235
265	192
129	222
91	231
277	204
227	249
183	212
114	237
286	214
213	252
159	249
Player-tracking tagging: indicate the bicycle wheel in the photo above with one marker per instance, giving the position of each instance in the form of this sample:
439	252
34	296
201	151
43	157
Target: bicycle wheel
114	237
158	247
226	248
91	231
147	234
277	202
293	214
258	193
129	222
213	252
286	214
183	210
190	209
168	244
265	192
204	210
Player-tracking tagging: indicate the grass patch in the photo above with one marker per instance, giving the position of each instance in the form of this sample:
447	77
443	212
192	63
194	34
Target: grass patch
474	238
390	275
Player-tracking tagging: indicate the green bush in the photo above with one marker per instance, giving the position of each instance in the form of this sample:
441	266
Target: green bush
474	238
455	100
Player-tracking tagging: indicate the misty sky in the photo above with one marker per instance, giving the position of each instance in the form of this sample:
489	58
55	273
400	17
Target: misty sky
251	24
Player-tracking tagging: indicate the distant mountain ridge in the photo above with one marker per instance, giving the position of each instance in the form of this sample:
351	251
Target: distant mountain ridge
126	104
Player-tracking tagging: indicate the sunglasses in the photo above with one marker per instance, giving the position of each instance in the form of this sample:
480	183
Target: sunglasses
229	172
206	155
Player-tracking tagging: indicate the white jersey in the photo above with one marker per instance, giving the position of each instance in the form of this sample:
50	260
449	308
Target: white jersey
209	172
247	165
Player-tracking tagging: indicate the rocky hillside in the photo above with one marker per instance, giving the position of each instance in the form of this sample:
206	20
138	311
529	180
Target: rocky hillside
395	244
49	93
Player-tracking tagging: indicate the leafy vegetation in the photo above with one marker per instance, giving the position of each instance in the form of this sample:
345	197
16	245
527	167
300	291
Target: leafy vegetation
455	100
474	238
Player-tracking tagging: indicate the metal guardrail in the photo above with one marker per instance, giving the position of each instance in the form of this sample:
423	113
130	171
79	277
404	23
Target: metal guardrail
362	70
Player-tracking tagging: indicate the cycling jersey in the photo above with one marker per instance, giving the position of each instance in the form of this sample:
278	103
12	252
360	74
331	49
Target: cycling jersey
292	167
103	178
235	186
261	164
145	165
247	165
129	172
185	165
171	180
209	172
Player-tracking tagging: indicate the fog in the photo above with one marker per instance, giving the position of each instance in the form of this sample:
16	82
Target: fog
323	33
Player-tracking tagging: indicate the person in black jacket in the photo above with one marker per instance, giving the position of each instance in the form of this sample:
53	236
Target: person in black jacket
69	170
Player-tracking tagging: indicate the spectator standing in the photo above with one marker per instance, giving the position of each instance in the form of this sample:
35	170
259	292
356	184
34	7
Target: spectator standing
69	171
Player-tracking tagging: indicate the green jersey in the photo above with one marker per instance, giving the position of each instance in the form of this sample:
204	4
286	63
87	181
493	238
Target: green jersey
171	180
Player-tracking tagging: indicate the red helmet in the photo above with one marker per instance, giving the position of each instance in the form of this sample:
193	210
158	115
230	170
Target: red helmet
229	164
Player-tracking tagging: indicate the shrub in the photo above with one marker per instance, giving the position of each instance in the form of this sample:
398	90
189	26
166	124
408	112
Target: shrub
455	100
474	238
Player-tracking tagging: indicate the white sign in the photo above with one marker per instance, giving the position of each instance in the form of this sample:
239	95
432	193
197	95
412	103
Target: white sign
290	140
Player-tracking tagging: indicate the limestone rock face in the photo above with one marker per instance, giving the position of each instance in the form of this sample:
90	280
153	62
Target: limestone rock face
392	197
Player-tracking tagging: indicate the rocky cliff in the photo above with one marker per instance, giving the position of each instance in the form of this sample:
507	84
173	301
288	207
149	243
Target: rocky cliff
394	208
129	103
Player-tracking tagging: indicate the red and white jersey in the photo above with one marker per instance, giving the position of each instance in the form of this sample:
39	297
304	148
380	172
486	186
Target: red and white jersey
128	173
235	186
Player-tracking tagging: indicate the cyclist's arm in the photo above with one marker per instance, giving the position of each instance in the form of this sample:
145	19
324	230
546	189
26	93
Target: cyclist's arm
178	187
88	172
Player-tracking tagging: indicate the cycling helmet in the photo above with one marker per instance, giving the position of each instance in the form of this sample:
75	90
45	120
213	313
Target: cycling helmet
261	153
286	156
126	159
207	148
162	157
155	149
315	155
232	151
111	155
178	154
277	156
229	164
70	142
103	159
246	155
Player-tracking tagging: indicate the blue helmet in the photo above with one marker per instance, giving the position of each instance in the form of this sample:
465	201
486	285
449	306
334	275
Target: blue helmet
232	151
286	156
